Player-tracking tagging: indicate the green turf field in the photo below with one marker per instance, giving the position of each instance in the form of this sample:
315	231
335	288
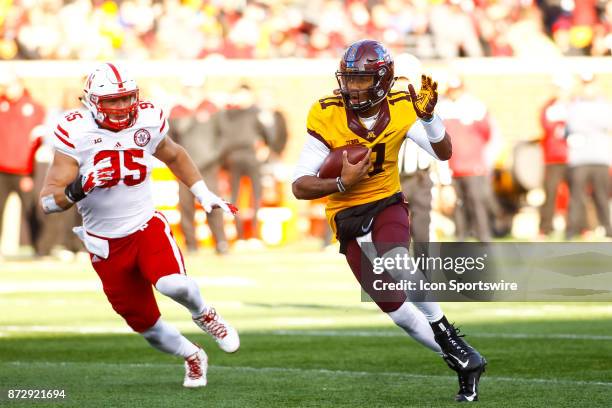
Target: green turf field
307	340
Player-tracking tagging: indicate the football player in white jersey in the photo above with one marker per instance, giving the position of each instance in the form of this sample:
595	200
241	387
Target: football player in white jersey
102	163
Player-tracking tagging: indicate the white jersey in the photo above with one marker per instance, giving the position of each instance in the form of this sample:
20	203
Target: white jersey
127	204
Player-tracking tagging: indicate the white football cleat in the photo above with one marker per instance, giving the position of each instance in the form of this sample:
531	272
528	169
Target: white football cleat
224	334
196	366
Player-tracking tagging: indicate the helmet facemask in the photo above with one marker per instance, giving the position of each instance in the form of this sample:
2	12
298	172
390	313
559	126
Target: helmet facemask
117	111
362	89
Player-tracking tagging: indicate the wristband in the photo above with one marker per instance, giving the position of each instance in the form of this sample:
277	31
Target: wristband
434	128
199	188
74	191
340	185
49	205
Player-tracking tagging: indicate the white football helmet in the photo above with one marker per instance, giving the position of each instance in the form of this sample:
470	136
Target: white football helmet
111	94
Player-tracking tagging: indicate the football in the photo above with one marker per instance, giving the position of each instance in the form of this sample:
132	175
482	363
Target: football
332	166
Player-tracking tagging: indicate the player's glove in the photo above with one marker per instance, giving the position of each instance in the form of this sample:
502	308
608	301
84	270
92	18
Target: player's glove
425	102
99	176
209	200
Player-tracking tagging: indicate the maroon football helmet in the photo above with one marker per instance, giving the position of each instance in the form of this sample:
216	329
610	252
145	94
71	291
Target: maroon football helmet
365	75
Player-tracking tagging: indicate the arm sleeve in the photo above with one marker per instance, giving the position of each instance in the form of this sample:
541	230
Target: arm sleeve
311	158
418	134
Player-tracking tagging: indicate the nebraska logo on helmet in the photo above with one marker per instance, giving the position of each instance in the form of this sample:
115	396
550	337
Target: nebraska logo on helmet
142	137
365	75
111	94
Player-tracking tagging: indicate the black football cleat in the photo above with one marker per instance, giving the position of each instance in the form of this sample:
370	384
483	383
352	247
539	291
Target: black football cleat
458	354
468	383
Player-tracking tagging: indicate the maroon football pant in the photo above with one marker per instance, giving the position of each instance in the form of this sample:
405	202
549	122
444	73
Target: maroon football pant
391	229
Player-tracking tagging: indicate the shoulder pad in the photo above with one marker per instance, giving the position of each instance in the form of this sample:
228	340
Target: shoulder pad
398	96
71	125
150	115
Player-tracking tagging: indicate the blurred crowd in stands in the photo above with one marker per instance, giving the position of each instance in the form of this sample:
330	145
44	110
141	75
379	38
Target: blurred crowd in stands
175	29
238	143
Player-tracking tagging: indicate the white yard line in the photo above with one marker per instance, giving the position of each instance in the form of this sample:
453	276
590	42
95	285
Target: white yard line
64	329
93	285
315	371
304	333
366	333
